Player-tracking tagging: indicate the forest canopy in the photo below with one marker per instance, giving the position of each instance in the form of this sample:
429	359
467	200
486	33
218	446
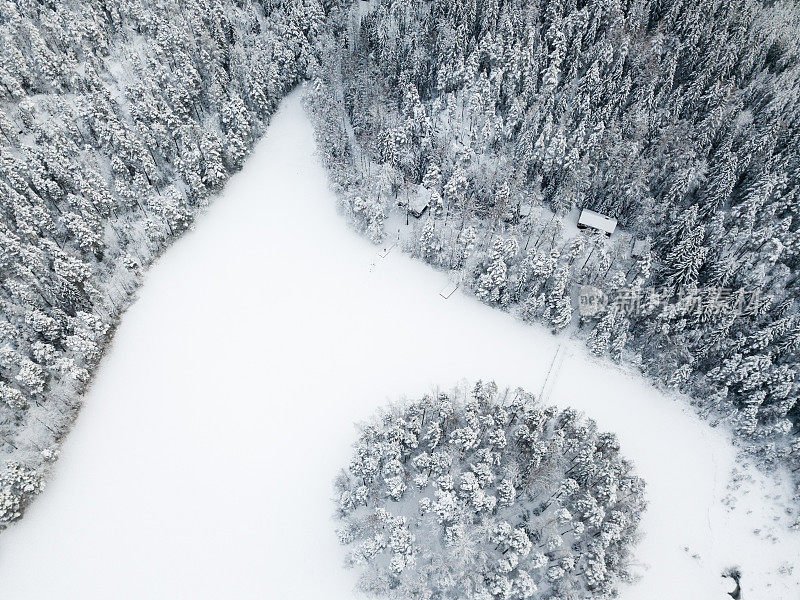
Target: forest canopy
117	121
497	120
680	118
485	493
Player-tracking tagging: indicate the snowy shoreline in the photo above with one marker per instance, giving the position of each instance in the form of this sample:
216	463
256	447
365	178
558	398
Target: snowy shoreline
190	504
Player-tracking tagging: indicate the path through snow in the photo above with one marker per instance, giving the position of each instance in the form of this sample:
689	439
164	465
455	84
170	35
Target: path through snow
201	465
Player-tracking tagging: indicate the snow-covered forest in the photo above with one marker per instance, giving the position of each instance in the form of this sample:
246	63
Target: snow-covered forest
172	480
118	119
469	135
484	493
485	126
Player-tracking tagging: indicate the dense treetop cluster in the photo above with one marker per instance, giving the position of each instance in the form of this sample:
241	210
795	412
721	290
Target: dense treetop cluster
681	118
117	120
487	494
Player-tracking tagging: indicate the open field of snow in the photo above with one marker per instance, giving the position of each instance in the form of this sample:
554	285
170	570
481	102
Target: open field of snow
202	463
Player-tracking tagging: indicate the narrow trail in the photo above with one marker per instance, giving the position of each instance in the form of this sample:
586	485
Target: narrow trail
551	377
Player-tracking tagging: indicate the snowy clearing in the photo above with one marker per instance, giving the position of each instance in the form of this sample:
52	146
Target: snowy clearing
202	463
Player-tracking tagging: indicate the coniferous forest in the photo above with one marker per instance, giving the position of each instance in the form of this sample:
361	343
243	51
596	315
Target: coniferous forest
487	494
118	120
679	119
470	134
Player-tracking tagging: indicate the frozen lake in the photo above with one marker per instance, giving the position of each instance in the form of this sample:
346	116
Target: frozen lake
201	466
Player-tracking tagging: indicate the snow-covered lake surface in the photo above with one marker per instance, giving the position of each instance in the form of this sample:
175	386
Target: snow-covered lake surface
202	464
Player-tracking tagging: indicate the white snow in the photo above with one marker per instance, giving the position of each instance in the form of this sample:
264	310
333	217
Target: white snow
202	463
595	220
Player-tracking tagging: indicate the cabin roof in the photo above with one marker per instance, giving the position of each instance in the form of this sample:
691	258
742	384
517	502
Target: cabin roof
419	201
640	247
590	218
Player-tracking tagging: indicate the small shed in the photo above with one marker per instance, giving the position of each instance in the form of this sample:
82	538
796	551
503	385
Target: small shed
640	247
418	201
590	219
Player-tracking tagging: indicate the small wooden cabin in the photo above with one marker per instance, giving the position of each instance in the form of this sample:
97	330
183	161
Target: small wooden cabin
640	247
419	201
590	219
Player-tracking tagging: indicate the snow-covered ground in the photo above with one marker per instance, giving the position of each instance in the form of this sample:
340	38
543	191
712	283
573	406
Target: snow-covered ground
202	463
